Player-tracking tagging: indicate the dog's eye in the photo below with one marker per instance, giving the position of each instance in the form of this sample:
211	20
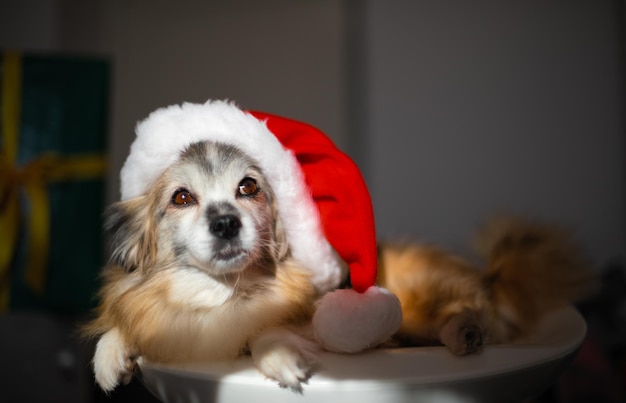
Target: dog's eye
248	187
182	197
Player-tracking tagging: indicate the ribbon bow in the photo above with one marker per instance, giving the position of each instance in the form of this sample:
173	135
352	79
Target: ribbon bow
33	177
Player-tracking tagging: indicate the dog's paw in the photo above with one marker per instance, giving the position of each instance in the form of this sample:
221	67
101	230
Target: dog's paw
462	333
113	361
284	357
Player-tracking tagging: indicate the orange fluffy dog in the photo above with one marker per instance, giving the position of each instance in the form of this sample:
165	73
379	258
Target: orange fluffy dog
531	268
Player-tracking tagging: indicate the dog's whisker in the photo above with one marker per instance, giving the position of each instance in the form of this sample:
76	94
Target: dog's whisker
237	280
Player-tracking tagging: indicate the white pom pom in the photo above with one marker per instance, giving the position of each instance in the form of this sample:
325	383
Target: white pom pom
348	322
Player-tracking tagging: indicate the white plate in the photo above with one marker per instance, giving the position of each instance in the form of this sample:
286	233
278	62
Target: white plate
501	373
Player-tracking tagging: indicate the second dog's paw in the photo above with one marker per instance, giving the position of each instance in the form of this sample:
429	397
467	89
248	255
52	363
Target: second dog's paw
284	357
113	362
462	333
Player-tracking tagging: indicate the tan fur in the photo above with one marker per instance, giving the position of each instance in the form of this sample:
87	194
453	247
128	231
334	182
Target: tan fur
162	331
531	268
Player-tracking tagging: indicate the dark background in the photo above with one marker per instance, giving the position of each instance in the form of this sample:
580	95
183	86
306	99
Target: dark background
454	110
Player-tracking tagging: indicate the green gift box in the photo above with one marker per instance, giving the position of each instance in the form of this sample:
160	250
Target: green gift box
52	165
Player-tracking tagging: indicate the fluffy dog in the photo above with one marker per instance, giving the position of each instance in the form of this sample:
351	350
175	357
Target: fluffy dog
532	267
201	270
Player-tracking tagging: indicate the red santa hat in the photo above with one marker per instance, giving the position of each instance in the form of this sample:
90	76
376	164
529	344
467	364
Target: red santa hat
322	200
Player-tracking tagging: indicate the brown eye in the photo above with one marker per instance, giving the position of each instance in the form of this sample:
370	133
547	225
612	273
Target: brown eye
248	187
182	197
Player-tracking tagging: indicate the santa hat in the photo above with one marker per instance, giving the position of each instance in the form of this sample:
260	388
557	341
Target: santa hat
322	200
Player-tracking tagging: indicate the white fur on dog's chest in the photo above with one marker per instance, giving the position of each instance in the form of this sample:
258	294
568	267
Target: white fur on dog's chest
197	290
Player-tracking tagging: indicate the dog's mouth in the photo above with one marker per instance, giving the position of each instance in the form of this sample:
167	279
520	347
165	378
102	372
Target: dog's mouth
232	257
229	253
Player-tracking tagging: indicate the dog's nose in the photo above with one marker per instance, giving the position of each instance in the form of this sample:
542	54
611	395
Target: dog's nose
225	226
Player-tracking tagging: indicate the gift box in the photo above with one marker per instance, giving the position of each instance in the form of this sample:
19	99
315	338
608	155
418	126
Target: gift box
52	165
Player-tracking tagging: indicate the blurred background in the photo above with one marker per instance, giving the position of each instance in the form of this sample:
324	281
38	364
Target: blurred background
454	111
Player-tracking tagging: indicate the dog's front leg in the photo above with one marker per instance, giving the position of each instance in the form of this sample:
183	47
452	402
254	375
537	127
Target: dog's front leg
114	361
284	356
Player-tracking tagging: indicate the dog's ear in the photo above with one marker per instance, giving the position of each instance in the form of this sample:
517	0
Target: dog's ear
132	234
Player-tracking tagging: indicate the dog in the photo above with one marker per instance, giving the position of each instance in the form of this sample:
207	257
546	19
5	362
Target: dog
200	270
532	267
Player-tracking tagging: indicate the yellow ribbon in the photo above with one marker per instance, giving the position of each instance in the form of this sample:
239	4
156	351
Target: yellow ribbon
33	178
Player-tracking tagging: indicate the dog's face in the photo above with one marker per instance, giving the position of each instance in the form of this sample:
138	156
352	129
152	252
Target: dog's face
213	209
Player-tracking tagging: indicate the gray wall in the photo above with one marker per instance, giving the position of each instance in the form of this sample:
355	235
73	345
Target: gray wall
454	109
495	106
280	56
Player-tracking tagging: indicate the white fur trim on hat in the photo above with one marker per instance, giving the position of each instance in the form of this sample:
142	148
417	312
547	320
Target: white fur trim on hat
168	131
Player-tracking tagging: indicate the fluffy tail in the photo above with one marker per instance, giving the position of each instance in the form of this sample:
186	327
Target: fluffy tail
532	267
